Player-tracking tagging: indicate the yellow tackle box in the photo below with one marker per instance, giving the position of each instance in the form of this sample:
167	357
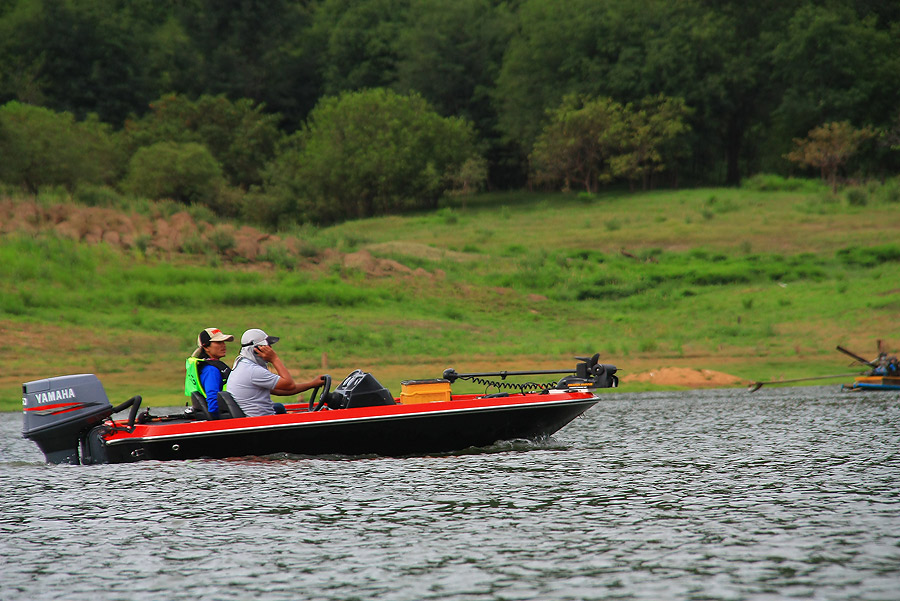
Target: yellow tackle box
424	391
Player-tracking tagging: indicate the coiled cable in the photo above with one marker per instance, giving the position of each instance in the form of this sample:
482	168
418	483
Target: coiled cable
500	385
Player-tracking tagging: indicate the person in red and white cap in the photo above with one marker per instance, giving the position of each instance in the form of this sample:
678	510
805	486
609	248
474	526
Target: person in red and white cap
206	372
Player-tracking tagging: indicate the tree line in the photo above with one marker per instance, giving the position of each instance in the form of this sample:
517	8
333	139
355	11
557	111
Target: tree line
320	110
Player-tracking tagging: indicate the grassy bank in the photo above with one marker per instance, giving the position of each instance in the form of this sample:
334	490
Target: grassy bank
758	284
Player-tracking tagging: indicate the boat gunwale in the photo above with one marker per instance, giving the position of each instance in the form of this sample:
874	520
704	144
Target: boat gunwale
303	420
877	379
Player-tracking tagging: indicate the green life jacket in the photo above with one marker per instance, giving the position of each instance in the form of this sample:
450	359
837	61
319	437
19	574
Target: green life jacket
192	368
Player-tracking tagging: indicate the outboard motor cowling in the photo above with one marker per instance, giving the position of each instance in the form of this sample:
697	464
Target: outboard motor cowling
359	389
59	411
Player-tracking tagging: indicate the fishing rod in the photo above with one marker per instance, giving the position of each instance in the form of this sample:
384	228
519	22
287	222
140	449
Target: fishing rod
587	373
753	387
855	356
451	374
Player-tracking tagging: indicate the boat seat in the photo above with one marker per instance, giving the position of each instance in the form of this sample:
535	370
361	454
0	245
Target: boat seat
227	400
198	402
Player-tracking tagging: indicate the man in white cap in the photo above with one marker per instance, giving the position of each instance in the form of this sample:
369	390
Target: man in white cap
206	373
251	382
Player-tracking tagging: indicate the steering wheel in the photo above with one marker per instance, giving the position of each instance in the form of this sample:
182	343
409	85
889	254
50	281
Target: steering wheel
326	388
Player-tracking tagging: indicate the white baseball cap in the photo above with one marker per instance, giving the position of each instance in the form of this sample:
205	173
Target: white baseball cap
257	337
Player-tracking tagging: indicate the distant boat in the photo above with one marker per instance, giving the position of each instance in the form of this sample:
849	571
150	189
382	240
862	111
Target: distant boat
873	383
884	375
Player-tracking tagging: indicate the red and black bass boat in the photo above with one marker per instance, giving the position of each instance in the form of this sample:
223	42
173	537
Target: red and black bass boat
72	420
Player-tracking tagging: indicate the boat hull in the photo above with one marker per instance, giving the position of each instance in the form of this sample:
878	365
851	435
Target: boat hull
387	430
875	383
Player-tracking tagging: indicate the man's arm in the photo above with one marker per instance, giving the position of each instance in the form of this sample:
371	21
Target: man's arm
299	387
286	385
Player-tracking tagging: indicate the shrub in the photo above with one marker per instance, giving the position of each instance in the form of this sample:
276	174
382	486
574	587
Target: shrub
829	147
239	134
142	242
469	178
857	197
732	274
367	153
183	172
871	256
588	141
768	182
43	148
193	244
889	191
97	196
447	216
278	254
230	202
222	240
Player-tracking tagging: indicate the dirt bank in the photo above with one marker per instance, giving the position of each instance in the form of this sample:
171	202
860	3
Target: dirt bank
686	377
183	236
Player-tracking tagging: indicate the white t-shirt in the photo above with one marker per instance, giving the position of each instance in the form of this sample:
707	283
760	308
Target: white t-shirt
251	385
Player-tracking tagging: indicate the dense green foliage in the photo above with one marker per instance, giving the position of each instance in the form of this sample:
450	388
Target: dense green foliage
370	153
42	148
240	136
185	172
738	81
589	141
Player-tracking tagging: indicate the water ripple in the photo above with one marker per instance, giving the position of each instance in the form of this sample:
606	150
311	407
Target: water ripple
702	495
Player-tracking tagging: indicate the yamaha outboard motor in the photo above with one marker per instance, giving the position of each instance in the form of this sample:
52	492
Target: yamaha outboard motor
60	411
359	389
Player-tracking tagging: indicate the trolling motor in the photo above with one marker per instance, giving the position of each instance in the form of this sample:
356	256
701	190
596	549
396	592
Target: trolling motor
588	373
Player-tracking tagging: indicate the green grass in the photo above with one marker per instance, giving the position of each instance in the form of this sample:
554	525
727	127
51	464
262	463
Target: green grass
759	284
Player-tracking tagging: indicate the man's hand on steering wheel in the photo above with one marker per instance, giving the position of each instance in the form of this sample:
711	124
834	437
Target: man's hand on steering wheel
323	398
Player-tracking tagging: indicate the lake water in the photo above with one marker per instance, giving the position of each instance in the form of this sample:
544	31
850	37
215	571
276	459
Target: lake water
722	494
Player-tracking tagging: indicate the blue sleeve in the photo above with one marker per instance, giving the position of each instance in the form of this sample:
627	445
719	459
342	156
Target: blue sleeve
211	380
